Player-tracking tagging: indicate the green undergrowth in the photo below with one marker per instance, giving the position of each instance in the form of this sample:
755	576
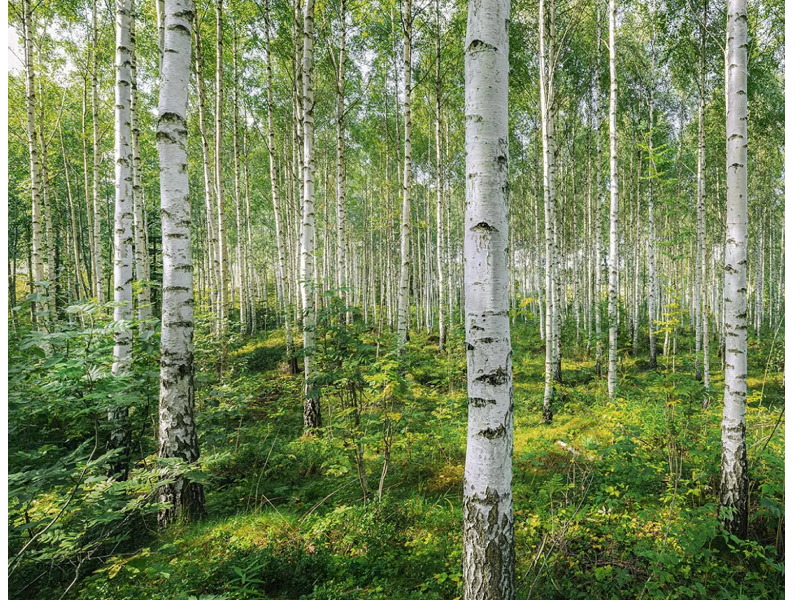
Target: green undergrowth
613	500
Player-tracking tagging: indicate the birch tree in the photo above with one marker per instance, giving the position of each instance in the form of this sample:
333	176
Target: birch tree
123	226
405	231
33	152
177	432
312	415
488	561
613	273
733	494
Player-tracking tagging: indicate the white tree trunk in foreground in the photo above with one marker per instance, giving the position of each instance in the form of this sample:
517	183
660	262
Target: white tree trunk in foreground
405	232
613	273
312	415
488	561
734	480
177	433
545	93
123	223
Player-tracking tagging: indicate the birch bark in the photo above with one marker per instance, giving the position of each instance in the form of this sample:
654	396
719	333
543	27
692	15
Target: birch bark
177	432
33	154
405	232
734	478
488	530
312	415
613	274
123	228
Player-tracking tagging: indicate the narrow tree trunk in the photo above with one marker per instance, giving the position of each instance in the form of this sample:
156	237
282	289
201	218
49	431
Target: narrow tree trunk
613	274
651	241
405	232
545	92
441	260
209	183
98	257
222	239
734	477
240	266
37	263
145	309
123	230
279	241
488	530
312	414
177	432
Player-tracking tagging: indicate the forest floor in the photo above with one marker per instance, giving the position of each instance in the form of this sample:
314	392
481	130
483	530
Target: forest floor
612	500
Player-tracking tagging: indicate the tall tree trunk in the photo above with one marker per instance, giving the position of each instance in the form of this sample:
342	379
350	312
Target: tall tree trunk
177	432
123	230
488	529
613	274
598	209
240	266
651	236
702	255
145	308
74	237
209	182
312	414
86	193
546	95
222	309
734	479
405	232
98	256
279	238
37	272
340	153
441	264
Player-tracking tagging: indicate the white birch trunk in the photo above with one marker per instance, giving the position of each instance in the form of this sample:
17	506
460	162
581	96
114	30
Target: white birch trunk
33	154
209	184
98	257
123	225
488	528
222	240
177	432
405	231
545	93
734	478
441	260
142	272
613	274
312	415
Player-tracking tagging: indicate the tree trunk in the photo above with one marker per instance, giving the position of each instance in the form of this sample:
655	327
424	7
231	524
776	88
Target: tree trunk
209	183
613	274
488	529
734	480
145	308
222	309
405	232
441	264
177	432
546	94
37	272
98	257
312	414
123	230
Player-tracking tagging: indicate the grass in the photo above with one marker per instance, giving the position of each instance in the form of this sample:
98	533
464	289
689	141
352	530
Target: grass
612	500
